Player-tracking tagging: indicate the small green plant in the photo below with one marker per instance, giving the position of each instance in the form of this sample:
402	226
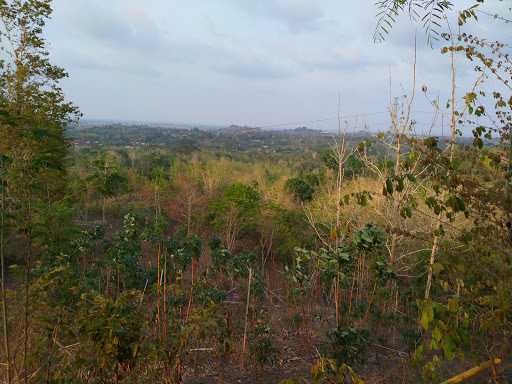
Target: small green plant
300	188
205	293
301	273
113	328
348	344
124	258
232	265
262	348
383	269
370	237
182	250
329	371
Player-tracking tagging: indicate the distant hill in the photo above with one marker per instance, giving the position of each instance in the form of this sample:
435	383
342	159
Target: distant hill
233	138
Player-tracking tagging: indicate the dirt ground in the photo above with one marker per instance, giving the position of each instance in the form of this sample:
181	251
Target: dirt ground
296	355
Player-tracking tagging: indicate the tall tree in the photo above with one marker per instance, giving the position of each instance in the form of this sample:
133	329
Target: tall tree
34	111
33	118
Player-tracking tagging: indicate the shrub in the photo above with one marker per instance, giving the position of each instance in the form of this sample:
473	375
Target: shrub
348	344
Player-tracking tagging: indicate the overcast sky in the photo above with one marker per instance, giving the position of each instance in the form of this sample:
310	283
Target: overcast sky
255	62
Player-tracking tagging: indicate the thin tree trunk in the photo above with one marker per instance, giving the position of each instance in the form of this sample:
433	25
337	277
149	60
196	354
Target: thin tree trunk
118	283
158	299
337	299
340	153
28	259
396	198
189	214
246	315
453	137
103	204
433	254
4	296
189	305
165	293
49	353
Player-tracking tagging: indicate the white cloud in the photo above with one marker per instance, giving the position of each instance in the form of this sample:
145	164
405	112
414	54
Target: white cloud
245	61
297	15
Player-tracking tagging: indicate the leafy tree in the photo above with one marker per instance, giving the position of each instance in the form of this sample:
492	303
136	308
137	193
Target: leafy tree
289	231
228	264
183	250
154	164
33	117
452	306
34	113
114	330
235	211
301	189
107	180
347	344
123	261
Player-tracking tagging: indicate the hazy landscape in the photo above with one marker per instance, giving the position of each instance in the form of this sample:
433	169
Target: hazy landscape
274	191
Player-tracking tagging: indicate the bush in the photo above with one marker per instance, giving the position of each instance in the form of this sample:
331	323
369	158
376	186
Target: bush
262	349
302	191
348	344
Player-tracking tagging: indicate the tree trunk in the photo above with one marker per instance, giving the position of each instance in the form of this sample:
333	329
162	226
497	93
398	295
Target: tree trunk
433	255
4	296
246	315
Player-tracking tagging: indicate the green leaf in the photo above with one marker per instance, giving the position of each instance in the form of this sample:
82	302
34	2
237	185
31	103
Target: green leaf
389	186
449	347
427	315
453	305
400	184
437	268
437	335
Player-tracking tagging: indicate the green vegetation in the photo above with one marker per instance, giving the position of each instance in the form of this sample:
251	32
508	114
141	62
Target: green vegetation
143	255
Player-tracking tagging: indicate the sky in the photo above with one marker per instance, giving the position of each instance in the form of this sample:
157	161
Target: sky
268	63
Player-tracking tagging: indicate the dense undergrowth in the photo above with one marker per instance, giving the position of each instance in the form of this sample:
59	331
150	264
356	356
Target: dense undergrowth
385	261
